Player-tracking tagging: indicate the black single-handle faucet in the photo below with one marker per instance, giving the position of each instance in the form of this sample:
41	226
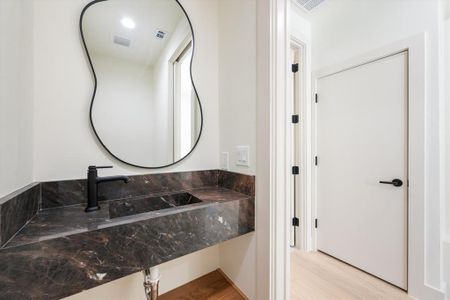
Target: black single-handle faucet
92	185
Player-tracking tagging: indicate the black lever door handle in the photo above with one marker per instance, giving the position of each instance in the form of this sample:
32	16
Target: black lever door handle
395	182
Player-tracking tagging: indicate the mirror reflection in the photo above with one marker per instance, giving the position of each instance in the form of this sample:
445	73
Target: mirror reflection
145	110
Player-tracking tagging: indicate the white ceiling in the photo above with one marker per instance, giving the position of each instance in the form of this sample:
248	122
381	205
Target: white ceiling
103	20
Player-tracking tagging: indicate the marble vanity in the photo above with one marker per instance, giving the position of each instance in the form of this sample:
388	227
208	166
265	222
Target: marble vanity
51	248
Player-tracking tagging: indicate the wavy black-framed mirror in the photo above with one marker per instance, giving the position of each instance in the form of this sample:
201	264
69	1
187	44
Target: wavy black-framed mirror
145	109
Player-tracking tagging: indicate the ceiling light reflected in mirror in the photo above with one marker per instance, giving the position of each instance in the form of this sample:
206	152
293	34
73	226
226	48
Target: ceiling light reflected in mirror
128	23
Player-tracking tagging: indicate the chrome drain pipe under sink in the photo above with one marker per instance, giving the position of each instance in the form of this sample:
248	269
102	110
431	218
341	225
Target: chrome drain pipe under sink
151	283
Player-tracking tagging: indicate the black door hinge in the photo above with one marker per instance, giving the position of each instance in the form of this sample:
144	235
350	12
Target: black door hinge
316	160
295	170
294	68
295	119
317	98
295	222
315	223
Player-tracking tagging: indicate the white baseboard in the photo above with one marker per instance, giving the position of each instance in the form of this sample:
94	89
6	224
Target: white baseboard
432	293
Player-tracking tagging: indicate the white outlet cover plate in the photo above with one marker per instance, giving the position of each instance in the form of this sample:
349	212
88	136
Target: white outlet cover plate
224	161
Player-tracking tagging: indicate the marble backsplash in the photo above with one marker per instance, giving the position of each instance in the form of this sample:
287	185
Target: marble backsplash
237	182
69	192
17	209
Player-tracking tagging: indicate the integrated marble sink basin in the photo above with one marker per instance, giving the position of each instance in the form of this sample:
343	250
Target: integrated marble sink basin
65	221
122	208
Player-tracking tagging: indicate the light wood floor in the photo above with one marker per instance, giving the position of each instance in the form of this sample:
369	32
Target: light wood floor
212	286
316	276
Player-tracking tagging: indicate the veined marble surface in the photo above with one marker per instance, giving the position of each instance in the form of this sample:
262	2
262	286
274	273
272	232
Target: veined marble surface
69	220
63	251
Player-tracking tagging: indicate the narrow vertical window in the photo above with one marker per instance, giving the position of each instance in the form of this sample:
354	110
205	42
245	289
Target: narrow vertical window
184	104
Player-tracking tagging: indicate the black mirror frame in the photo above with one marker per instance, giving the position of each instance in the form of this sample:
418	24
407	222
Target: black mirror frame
95	89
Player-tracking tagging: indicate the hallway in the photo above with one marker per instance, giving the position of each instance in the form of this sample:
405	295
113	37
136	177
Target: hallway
316	276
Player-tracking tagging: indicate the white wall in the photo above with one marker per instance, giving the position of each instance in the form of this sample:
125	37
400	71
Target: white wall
237	112
300	26
342	29
16	103
64	143
238	262
173	274
237	77
124	111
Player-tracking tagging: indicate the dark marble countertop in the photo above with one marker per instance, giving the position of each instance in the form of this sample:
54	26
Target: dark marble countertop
68	220
63	250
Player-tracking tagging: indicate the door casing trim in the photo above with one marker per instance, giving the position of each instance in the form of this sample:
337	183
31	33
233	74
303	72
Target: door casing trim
303	213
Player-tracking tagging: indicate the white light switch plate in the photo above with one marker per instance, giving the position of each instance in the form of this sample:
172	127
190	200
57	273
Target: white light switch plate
243	156
224	161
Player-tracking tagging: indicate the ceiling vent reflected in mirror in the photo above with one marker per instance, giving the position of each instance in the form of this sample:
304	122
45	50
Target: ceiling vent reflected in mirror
160	34
122	41
308	4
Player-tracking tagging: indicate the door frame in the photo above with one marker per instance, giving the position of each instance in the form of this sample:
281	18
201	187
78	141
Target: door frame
303	206
415	47
273	156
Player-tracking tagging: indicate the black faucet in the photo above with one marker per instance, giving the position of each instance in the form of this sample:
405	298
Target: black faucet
92	184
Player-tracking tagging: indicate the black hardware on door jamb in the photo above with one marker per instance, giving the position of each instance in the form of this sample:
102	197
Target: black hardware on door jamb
295	219
295	170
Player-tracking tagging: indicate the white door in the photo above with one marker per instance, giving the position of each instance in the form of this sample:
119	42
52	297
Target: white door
362	140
